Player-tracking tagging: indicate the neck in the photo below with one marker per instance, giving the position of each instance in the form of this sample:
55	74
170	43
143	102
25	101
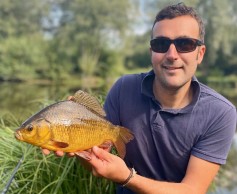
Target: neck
173	98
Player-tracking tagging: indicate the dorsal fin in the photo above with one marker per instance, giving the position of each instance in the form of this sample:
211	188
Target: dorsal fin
88	101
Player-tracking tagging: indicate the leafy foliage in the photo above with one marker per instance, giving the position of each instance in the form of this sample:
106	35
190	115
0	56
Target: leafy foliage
51	39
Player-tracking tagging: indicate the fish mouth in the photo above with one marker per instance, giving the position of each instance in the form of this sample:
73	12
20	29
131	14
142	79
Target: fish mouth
18	135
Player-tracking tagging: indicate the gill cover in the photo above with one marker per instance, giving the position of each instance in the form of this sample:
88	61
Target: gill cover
37	132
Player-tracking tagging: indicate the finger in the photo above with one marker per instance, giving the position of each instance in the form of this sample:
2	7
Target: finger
59	153
101	154
45	151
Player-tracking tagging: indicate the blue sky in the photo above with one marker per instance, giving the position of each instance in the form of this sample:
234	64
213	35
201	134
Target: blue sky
142	25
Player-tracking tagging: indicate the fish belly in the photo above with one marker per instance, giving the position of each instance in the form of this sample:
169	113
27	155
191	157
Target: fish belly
84	136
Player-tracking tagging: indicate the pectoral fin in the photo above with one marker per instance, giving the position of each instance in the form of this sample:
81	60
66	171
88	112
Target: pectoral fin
59	144
107	145
84	154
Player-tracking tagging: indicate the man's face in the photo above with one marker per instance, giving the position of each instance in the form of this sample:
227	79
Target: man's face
173	69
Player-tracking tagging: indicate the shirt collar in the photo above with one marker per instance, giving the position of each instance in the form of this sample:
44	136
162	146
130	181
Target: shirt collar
147	84
147	90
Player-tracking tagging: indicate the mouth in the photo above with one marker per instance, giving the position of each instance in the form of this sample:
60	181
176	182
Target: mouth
171	67
18	135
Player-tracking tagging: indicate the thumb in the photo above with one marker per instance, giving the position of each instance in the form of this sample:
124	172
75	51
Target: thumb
101	154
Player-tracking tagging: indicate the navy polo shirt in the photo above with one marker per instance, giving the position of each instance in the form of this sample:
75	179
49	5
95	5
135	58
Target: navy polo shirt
165	138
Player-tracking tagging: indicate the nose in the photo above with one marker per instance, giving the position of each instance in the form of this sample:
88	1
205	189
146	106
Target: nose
172	53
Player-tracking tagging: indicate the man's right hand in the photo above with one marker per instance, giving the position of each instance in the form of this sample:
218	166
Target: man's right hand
83	156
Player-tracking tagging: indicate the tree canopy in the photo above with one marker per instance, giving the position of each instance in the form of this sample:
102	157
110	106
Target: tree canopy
56	39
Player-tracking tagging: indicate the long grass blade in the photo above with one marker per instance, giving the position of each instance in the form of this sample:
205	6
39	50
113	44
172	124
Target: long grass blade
13	174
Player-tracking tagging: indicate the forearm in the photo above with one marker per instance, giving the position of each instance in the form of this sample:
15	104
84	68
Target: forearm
142	185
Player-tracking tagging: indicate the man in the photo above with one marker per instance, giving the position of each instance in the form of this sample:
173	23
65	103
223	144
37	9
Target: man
183	129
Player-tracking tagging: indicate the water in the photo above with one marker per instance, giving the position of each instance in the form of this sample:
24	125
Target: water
20	100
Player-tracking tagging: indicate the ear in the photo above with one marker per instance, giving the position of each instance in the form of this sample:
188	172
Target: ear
150	51
201	52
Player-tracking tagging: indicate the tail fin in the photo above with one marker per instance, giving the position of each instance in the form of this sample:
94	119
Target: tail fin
125	136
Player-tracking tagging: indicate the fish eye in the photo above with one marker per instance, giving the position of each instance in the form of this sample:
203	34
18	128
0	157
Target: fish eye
30	128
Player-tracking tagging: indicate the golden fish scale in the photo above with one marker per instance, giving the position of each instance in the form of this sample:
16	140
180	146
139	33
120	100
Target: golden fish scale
85	135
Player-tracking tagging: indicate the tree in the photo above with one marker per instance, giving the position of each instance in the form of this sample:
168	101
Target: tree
61	34
21	18
87	26
220	19
21	39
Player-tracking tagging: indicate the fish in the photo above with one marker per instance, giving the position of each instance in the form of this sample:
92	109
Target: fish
73	125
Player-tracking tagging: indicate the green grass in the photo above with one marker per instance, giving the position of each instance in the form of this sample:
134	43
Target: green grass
40	174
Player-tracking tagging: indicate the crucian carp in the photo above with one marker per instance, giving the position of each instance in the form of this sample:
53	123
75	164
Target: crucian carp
72	126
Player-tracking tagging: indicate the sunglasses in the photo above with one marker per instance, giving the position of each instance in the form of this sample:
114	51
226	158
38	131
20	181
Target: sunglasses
182	45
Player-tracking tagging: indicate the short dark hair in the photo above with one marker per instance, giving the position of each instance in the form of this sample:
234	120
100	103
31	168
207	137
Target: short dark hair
180	9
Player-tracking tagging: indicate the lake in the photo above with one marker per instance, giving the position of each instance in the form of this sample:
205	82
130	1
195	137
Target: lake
23	99
20	100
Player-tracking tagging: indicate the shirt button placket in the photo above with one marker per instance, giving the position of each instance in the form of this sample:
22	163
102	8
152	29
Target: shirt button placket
157	122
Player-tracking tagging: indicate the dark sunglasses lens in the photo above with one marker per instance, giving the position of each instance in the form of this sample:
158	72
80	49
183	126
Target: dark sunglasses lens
160	45
184	45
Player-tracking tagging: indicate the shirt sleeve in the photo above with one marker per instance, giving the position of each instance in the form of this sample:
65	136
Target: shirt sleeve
111	105
215	143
